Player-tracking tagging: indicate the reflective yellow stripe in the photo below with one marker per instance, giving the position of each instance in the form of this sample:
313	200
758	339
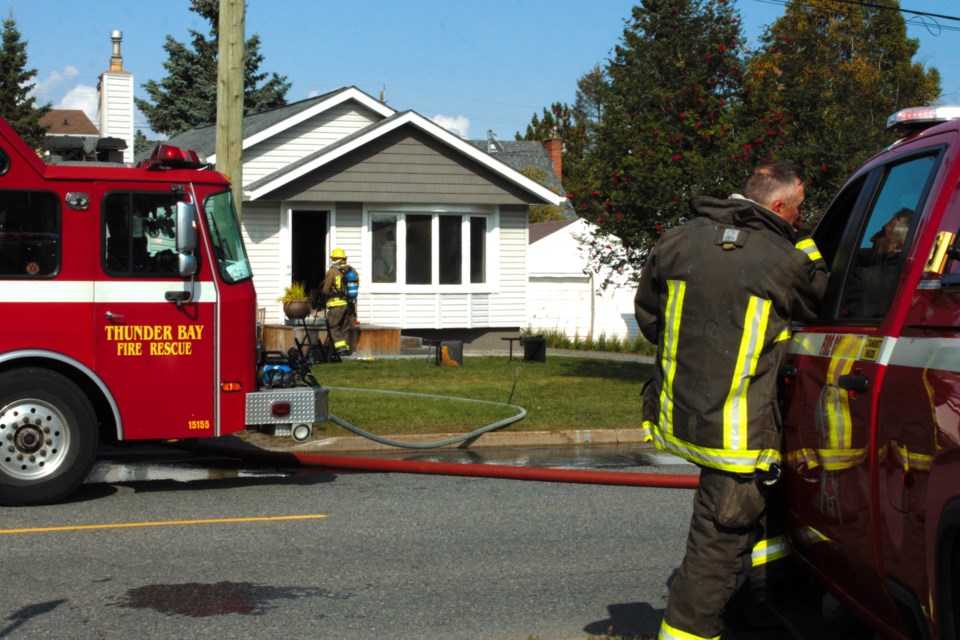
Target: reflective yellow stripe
835	409
646	431
671	633
808	535
745	461
840	459
809	247
751	344
767	551
336	302
806	457
676	289
786	334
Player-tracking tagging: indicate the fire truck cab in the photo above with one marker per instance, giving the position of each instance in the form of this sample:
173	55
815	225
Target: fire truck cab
871	404
127	311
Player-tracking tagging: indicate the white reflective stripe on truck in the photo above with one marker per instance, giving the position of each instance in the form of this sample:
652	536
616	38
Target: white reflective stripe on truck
919	353
75	291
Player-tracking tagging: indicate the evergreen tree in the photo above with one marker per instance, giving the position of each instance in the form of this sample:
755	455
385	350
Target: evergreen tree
16	81
668	124
142	144
836	71
574	126
187	97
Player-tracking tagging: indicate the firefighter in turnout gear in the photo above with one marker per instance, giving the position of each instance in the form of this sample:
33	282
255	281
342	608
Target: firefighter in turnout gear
339	297
716	296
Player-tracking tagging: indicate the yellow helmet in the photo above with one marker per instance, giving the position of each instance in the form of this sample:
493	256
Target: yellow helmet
338	254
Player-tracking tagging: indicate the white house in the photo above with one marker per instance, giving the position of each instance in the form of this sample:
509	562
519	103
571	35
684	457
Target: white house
436	227
565	294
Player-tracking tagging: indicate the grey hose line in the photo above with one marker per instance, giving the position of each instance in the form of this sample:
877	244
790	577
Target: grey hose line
428	445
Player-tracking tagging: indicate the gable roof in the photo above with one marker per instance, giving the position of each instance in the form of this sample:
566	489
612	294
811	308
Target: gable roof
540	230
68	122
526	154
260	126
357	139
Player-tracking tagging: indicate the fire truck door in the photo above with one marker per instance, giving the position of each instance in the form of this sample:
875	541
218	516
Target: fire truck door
154	350
840	360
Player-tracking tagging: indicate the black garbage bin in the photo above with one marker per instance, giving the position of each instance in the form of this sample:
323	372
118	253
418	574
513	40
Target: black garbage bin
535	349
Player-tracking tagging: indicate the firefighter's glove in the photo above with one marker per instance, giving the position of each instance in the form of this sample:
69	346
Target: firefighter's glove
769	477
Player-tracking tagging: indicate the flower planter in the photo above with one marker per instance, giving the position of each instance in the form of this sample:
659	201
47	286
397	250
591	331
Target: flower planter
296	310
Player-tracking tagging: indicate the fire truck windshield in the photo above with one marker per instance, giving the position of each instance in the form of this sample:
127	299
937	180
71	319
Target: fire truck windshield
226	238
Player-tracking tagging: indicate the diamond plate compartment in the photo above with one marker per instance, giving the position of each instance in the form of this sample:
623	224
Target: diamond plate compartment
307	405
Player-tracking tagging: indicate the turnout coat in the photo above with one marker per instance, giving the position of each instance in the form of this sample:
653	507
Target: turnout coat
716	296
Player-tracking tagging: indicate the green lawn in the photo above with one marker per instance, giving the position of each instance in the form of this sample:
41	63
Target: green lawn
561	393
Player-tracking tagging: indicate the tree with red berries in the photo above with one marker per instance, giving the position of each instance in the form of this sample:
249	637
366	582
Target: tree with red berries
837	70
670	128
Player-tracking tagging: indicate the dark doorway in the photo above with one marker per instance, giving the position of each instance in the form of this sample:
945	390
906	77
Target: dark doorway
308	238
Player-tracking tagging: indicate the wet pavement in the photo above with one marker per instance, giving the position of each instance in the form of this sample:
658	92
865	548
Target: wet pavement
157	462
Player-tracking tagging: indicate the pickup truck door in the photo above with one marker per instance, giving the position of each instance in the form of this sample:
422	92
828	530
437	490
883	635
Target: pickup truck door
836	374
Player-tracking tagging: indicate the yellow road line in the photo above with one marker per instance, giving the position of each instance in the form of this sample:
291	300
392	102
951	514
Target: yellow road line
167	523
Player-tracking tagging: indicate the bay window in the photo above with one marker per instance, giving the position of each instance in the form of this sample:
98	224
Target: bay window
447	249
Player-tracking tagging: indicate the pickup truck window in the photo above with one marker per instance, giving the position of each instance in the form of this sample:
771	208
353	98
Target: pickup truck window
877	252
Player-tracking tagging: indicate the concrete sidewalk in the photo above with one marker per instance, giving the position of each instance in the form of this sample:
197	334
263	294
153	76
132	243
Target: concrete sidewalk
505	438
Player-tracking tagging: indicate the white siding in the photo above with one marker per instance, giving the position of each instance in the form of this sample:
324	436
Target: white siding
116	109
508	307
303	139
261	233
564	297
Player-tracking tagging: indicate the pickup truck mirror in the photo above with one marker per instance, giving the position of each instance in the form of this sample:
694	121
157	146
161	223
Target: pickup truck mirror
186	227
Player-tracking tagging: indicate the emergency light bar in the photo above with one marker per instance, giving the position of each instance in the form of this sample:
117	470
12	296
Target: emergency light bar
167	156
919	118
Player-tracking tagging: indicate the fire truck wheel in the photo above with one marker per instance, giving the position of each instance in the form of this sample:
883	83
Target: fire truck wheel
48	431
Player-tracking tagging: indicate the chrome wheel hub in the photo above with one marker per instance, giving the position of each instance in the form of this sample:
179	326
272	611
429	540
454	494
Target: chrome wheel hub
35	438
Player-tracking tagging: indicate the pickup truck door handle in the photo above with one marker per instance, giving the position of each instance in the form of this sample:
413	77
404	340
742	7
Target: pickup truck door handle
856	384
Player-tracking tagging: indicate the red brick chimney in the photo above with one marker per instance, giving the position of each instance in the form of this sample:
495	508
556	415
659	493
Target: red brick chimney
554	147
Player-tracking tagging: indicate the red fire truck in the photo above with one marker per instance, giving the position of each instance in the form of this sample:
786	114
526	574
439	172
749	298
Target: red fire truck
872	409
127	311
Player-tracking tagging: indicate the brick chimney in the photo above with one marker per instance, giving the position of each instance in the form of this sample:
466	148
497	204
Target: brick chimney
554	147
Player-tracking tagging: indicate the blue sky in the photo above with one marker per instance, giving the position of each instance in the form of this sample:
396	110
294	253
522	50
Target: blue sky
470	65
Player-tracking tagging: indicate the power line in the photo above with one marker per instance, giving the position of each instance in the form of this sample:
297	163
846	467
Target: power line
900	9
920	17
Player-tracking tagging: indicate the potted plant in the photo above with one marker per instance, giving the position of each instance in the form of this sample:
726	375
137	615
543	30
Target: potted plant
296	302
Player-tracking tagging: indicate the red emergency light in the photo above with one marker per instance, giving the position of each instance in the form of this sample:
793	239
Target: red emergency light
166	156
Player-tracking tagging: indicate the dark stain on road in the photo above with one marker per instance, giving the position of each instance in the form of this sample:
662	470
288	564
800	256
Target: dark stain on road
198	600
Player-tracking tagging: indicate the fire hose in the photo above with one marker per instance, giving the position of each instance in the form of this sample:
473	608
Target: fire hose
580	476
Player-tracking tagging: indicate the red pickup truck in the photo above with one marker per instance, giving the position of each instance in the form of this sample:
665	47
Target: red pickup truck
871	404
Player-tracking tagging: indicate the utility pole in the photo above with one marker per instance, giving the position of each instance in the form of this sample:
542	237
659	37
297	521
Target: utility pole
230	78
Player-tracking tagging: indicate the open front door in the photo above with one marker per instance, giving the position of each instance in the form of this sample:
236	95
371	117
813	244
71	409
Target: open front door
308	246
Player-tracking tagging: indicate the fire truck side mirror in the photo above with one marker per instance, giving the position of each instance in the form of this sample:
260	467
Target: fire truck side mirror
186	227
187	264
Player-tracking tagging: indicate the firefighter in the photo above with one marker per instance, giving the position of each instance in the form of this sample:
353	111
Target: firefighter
339	300
716	296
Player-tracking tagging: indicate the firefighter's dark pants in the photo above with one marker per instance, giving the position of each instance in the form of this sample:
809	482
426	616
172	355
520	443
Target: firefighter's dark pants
727	511
340	319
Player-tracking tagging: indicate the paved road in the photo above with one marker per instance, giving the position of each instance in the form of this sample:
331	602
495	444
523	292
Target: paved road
345	556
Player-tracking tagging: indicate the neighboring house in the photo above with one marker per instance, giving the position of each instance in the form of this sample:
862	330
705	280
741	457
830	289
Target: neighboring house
564	293
537	160
71	136
68	122
436	227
